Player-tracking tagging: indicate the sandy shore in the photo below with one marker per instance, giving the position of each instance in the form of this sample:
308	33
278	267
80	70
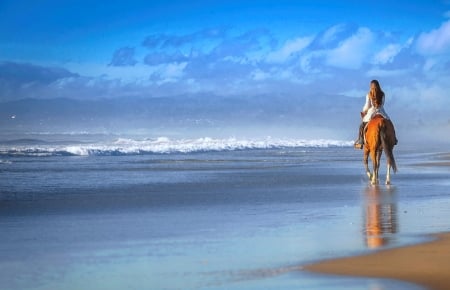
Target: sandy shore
425	264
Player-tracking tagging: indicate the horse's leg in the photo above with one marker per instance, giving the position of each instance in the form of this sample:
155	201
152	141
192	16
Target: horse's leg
390	164
373	156
366	162
388	174
379	152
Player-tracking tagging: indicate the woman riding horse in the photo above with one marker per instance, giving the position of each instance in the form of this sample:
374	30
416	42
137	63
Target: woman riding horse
374	106
379	136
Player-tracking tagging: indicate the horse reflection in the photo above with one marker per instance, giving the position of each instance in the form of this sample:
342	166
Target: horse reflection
380	216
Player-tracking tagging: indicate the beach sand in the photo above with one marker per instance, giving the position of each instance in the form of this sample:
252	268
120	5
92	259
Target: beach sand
426	264
239	220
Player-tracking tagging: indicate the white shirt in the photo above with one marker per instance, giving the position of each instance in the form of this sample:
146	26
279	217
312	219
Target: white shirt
372	111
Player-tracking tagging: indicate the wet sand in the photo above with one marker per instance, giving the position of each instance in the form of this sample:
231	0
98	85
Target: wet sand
426	264
210	221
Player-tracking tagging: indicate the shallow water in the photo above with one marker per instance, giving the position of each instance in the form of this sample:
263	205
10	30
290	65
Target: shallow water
242	219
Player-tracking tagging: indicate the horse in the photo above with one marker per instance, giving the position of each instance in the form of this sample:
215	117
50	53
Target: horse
379	136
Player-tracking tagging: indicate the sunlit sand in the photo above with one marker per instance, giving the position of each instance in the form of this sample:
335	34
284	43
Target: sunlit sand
426	264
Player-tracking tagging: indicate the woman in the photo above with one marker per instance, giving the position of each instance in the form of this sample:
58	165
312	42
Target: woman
374	105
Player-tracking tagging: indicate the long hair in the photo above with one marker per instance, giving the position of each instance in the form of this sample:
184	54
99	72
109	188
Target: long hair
376	94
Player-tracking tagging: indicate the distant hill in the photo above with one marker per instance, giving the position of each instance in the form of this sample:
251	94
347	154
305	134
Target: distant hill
180	114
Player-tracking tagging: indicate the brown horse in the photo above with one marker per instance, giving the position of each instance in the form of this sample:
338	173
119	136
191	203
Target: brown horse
379	136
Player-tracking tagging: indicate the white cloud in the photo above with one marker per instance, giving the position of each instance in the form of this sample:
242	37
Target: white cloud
331	34
138	74
387	54
428	97
378	72
355	93
353	51
170	72
310	62
436	41
289	48
240	59
259	75
430	63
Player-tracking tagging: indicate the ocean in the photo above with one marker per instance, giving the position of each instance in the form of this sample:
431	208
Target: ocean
90	212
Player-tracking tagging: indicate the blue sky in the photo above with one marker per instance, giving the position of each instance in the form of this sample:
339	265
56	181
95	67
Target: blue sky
119	49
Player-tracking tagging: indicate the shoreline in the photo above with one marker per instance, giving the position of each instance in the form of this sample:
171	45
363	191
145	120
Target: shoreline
426	264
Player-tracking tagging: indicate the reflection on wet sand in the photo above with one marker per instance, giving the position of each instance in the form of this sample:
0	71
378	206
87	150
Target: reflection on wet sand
380	215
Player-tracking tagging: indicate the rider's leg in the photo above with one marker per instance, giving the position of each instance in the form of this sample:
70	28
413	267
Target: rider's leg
360	142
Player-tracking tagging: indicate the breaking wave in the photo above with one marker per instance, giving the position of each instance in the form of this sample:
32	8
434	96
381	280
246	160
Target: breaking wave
161	145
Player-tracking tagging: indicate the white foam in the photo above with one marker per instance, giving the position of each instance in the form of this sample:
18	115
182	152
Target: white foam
123	146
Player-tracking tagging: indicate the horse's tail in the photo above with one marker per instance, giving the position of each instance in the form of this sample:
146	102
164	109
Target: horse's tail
387	148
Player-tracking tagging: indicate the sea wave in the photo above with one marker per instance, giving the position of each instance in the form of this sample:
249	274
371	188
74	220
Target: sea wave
162	145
